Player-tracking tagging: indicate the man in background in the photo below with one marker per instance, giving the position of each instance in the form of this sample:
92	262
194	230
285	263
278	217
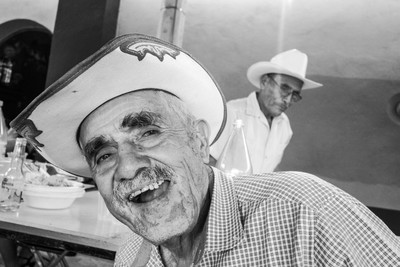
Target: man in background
266	126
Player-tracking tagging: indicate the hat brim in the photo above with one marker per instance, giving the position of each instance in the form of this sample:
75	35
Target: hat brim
126	64
257	70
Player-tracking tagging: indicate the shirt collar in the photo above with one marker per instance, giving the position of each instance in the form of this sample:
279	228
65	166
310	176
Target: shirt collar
224	226
252	106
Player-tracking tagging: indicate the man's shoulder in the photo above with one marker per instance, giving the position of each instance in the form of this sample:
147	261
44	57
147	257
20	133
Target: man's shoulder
246	106
295	187
237	103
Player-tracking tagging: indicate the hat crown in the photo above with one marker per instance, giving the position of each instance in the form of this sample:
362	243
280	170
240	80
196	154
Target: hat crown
292	60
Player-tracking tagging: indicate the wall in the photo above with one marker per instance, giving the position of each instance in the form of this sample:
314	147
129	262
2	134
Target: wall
41	11
342	131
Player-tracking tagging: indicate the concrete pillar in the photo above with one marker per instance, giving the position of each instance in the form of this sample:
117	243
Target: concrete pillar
172	21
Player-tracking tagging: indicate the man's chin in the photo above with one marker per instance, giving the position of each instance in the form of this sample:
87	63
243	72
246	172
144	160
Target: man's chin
280	109
277	113
162	235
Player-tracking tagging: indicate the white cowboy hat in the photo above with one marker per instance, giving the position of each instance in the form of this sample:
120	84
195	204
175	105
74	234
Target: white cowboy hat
126	64
292	62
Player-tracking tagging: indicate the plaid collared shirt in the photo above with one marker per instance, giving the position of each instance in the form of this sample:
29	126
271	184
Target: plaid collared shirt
286	219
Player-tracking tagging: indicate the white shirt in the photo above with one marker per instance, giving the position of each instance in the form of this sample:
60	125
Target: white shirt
266	145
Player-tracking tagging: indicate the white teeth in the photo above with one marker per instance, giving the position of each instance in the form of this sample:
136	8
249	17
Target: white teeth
136	193
152	186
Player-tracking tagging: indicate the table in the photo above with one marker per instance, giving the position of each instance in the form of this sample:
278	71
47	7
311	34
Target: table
77	229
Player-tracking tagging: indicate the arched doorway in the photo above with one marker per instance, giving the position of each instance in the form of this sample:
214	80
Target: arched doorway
26	44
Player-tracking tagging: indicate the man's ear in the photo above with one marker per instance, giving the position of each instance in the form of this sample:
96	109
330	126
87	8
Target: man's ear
203	134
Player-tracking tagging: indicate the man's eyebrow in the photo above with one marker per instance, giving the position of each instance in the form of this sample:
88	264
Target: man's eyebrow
141	119
94	145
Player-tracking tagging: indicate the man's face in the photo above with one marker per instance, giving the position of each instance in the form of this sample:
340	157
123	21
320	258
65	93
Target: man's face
148	164
276	94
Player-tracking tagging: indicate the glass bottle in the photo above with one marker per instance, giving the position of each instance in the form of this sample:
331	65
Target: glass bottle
235	157
12	184
3	132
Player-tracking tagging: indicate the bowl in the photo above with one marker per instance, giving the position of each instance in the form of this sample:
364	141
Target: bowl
52	197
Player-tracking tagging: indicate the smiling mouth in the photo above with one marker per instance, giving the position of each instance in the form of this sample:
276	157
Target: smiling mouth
149	192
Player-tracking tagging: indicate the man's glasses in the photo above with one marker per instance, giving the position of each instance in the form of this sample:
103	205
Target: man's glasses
287	91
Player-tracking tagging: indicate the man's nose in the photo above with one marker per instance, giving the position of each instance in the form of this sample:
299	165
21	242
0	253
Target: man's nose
288	100
130	164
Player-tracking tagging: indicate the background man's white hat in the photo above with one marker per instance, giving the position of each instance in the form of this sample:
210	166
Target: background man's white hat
126	64
291	62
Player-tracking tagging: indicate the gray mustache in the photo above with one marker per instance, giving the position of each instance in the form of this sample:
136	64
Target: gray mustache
152	174
157	172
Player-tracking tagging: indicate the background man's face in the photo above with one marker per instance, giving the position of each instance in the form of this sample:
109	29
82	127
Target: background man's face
146	166
275	94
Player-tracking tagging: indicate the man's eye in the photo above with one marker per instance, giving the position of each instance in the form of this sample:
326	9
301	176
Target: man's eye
286	89
150	132
102	158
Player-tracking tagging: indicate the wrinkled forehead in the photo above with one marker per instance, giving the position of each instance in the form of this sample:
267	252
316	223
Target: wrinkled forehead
161	104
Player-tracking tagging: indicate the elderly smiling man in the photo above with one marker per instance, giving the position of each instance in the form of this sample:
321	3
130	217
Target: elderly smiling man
139	116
